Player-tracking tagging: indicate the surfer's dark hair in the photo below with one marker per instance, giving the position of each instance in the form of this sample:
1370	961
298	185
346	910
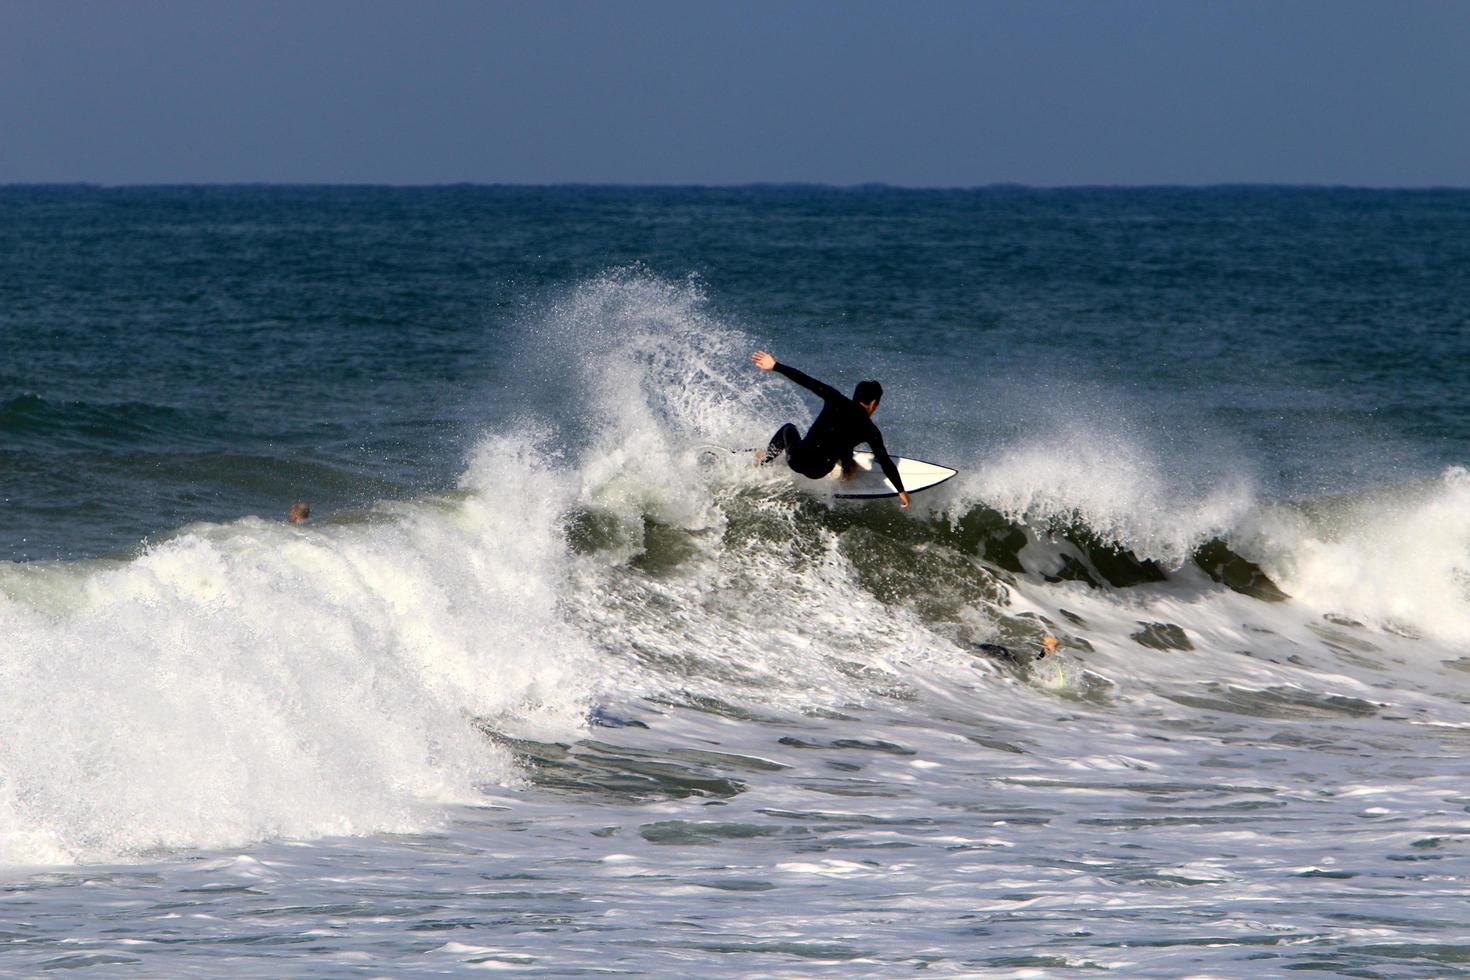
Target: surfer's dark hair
867	391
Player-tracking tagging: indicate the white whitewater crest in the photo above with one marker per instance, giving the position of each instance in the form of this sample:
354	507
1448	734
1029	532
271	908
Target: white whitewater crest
1398	557
1109	483
257	680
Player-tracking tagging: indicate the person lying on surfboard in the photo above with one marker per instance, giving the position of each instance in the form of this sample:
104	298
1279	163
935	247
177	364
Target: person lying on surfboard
841	424
1048	647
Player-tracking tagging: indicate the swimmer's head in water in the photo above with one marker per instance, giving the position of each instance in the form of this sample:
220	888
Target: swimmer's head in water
300	511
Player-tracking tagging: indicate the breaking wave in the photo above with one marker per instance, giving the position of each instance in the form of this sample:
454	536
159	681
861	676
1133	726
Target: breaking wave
248	680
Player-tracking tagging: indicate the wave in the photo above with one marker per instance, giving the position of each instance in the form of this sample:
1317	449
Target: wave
1396	556
253	679
1081	499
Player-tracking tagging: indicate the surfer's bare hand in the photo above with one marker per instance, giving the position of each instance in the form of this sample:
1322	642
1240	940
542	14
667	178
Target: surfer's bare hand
763	360
903	500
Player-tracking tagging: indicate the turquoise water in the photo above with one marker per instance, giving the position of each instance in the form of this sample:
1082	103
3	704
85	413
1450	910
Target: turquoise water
540	686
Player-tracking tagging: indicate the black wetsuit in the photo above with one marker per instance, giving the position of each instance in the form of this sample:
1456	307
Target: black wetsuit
840	426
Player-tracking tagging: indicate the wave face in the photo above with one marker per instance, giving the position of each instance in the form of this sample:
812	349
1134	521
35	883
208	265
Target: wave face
250	680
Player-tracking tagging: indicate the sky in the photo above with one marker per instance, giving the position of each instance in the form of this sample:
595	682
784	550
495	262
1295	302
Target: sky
922	94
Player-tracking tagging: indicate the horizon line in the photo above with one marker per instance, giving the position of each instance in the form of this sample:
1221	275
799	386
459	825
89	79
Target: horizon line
748	185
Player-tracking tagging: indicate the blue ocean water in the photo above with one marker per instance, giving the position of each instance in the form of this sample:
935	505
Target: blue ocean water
180	354
539	686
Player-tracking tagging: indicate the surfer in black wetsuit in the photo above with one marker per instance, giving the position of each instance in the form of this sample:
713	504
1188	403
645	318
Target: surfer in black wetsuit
842	423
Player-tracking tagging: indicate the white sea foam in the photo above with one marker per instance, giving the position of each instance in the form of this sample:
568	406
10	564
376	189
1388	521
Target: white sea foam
252	680
1398	557
1108	481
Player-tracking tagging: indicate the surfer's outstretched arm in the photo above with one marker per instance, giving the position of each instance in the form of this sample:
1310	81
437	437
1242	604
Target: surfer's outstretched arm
885	463
766	362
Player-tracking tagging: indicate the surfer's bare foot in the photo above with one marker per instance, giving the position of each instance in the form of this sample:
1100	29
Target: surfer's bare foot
1048	645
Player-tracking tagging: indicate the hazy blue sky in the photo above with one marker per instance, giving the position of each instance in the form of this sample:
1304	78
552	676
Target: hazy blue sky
1039	92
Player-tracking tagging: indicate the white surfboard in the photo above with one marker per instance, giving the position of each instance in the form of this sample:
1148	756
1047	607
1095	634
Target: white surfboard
868	479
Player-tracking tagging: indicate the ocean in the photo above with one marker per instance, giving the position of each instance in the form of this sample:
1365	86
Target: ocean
545	685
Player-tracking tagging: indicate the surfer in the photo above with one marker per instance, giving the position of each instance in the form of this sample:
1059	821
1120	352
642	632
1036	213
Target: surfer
1048	647
300	511
841	424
